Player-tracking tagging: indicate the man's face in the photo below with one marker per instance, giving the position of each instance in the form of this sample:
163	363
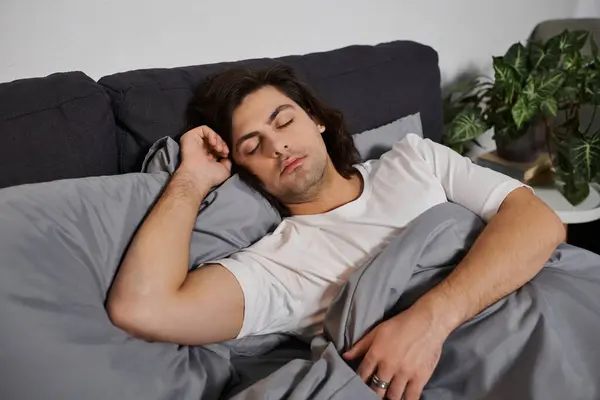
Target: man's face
277	141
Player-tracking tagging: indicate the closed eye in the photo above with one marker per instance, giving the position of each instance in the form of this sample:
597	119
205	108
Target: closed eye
286	124
255	147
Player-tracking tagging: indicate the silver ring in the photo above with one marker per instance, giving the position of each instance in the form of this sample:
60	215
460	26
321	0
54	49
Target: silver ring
378	383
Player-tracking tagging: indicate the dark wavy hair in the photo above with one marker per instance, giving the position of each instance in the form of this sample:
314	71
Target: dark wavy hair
218	97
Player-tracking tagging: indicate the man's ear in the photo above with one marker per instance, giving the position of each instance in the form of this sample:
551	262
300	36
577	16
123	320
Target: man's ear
320	125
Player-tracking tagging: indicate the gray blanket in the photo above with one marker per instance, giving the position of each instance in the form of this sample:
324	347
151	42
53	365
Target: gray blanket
61	243
537	343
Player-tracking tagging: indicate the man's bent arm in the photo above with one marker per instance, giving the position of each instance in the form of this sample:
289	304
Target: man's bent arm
154	297
510	251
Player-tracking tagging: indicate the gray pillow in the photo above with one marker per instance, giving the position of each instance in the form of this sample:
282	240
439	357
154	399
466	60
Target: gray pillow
373	143
60	245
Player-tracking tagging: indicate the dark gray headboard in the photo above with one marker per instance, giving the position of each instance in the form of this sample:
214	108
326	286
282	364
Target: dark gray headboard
372	85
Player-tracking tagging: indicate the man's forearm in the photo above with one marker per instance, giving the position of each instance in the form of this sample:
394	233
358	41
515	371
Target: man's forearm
156	262
509	252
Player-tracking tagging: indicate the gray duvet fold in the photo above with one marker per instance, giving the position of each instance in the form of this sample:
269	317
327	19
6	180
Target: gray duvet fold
61	243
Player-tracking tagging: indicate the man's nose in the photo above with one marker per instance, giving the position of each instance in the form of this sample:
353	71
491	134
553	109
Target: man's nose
278	146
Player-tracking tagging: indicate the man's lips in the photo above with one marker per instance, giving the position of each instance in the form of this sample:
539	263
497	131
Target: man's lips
291	164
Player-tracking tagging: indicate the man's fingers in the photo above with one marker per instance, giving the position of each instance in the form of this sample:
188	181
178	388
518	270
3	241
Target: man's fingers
413	390
367	367
354	352
198	131
384	375
397	388
211	138
222	146
208	135
218	144
361	347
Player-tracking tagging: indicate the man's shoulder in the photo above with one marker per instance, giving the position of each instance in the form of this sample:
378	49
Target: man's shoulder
285	235
409	143
409	148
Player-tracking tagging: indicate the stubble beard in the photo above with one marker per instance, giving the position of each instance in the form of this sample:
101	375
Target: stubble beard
305	185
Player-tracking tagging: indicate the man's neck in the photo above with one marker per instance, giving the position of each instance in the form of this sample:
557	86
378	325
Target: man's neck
336	192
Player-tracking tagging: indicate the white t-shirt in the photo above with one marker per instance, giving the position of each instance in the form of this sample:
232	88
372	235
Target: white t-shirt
289	277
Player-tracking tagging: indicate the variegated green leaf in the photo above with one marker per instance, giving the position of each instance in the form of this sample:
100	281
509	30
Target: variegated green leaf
565	43
506	78
592	75
553	45
572	61
584	154
592	88
459	148
523	111
543	57
516	57
466	126
503	73
549	83
529	90
569	93
549	107
593	47
578	39
575	190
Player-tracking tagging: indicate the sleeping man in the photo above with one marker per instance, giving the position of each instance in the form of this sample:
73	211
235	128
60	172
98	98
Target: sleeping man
338	213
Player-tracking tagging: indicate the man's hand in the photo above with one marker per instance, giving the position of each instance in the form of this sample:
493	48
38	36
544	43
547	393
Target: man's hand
403	351
205	156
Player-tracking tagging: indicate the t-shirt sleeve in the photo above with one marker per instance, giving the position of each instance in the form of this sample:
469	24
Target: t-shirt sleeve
268	305
481	190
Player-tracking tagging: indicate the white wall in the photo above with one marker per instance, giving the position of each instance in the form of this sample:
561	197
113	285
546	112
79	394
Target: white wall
100	37
587	9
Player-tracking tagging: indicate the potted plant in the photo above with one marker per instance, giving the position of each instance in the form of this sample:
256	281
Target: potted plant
534	103
523	90
523	93
576	146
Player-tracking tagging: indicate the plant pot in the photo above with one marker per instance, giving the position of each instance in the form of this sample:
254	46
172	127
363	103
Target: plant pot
524	148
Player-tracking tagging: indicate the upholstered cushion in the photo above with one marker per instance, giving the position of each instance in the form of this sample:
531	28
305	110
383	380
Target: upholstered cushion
56	127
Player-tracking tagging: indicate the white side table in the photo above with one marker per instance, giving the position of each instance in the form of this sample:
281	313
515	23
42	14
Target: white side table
587	211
